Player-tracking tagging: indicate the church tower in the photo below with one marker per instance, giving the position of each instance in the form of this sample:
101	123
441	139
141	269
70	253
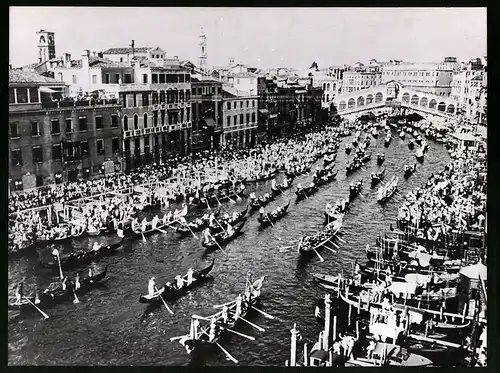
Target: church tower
46	45
203	56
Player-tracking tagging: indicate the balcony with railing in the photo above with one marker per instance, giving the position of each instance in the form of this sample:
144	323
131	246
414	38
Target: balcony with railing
157	129
141	87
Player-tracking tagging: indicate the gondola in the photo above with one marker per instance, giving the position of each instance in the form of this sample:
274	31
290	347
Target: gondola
385	192
325	179
214	200
267	176
348	149
259	202
380	159
355	190
81	257
305	192
196	225
410	171
377	178
308	245
222	238
291	175
233	221
51	297
387	141
366	158
329	160
333	216
411	145
273	217
172	292
60	239
202	336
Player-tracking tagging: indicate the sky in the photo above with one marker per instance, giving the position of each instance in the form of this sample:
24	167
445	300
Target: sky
259	37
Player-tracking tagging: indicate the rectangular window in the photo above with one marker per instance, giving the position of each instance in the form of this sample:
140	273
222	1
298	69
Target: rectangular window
154	97
100	146
253	117
188	114
248	118
37	154
82	122
12	96
34	95
188	78
234	104
14	131
248	103
162	78
106	79
241	118
228	121
94	79
74	79
228	106
35	128
145	78
114	121
115	144
154	78
253	103
235	121
69	125
56	152
145	99
128	78
16	158
241	104
117	78
84	145
22	95
99	123
54	127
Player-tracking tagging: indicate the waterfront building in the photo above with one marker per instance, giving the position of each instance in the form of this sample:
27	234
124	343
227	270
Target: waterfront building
359	76
430	77
52	140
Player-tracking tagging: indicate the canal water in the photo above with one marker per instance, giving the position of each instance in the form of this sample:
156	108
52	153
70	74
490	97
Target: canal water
110	327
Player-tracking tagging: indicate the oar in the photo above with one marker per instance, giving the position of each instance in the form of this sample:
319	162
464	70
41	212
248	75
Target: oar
215	195
241	334
326	247
264	313
165	303
220	247
340	239
161	230
238	198
201	318
177	338
143	238
319	256
39	310
208	204
252	324
222	305
227	353
286	247
334	244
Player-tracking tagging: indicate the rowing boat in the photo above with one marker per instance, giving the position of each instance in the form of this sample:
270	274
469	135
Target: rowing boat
223	238
273	217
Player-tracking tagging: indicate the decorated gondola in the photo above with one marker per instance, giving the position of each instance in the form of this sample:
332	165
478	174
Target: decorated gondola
81	257
217	240
308	245
256	203
171	292
409	170
264	176
355	190
55	294
292	174
218	197
380	158
377	177
269	219
385	192
196	225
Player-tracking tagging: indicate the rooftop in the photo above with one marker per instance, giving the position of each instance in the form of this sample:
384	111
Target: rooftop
24	76
127	50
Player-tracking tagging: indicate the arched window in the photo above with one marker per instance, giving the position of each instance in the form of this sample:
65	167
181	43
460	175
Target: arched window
414	100
432	104
442	106
327	97
379	97
351	103
145	120
125	123
369	99
361	101
406	98
342	105
136	122
451	108
328	87
424	101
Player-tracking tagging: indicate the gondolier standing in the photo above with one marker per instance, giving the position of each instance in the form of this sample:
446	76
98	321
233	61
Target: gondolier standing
190	276
19	292
152	286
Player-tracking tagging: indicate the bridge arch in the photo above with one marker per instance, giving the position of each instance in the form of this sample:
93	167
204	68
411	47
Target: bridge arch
414	100
451	109
369	99
406	98
379	97
351	103
342	105
424	101
441	106
361	101
432	104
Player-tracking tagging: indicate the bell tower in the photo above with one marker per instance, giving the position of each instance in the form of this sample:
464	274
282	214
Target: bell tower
46	45
203	55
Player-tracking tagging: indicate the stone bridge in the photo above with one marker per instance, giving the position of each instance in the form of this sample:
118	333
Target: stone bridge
394	94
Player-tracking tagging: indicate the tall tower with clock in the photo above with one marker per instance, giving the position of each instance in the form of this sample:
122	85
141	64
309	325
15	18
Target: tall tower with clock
46	45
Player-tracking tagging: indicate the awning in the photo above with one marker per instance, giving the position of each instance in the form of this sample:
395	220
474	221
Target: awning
210	122
263	111
48	90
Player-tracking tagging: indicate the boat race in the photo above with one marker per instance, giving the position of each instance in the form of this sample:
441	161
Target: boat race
184	210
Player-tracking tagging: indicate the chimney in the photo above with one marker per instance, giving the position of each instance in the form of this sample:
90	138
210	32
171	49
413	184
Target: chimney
67	60
85	59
